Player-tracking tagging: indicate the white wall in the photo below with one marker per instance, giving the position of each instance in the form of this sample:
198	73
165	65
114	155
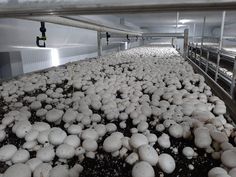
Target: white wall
69	42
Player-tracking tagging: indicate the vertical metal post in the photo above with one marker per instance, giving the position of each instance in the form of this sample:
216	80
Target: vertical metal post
232	88
185	47
194	32
192	50
176	28
172	42
202	39
99	43
207	61
188	48
195	54
220	44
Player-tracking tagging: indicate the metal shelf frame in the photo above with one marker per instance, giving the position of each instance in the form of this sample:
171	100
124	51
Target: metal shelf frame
183	36
217	89
192	51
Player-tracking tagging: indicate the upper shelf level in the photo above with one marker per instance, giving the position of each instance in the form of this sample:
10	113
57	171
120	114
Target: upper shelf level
16	8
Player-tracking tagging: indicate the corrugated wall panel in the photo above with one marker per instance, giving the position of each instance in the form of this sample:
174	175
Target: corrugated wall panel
34	60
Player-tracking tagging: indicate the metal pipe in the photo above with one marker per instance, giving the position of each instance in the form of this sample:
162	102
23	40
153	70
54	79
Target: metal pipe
220	44
177	35
78	8
99	43
232	88
81	24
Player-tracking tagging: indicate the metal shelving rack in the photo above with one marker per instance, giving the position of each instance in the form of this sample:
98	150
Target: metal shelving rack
202	66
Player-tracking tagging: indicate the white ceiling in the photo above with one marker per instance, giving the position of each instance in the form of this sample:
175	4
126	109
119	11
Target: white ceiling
105	2
169	19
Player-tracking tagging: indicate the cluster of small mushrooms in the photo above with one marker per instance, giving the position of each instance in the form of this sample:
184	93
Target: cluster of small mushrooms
67	111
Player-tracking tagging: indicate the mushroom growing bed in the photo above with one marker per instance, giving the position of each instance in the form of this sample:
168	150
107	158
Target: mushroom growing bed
137	113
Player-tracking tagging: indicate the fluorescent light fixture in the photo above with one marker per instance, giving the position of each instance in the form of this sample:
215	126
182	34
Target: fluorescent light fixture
183	21
180	26
126	45
30	47
55	57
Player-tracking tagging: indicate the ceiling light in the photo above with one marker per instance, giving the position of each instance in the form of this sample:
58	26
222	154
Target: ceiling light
183	21
55	57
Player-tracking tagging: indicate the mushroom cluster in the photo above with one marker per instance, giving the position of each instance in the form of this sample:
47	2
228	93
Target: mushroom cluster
129	104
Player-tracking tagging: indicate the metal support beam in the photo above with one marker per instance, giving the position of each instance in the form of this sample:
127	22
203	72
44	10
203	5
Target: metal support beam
177	35
220	44
185	47
232	88
161	35
67	21
99	43
114	35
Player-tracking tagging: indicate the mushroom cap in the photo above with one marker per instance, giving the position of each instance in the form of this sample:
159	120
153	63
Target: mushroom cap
137	140
166	163
18	170
149	154
143	169
6	152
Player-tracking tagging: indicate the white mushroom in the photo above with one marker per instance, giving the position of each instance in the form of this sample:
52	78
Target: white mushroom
18	170
217	171
59	171
42	169
72	140
112	143
188	152
149	154
166	163
138	140
164	141
33	163
90	145
176	131
46	154
20	156
6	152
56	136
228	158
54	115
143	169
65	151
